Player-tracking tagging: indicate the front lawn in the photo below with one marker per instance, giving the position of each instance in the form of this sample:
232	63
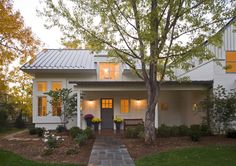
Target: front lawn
198	156
11	159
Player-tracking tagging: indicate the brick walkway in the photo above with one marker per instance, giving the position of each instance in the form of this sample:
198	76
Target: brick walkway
109	151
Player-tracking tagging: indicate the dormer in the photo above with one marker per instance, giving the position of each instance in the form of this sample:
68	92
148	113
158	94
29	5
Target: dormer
108	69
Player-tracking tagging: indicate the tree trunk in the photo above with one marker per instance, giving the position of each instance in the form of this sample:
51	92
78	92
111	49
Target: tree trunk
149	125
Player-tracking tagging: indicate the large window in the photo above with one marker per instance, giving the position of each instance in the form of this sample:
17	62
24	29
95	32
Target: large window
109	71
231	61
42	106
124	105
42	86
56	85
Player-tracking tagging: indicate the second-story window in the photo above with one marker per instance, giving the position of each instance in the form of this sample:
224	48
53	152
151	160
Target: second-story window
109	71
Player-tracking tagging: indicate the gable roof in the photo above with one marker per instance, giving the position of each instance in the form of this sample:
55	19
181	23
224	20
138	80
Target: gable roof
63	59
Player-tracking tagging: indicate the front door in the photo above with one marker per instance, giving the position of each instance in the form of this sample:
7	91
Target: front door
107	113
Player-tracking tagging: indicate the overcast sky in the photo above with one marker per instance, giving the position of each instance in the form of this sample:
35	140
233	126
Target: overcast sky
27	8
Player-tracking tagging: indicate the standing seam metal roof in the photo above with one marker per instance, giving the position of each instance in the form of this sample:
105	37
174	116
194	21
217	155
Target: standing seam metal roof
62	59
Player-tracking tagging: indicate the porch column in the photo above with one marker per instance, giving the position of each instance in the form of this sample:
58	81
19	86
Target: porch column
78	110
156	116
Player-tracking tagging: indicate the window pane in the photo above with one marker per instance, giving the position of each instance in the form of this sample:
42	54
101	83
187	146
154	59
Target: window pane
124	105
56	85
231	56
56	109
42	86
109	71
107	103
42	106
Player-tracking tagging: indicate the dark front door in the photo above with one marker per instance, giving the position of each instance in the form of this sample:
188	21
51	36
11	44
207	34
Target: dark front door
107	113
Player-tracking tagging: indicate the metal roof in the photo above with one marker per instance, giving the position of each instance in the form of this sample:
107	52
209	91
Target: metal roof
63	59
71	59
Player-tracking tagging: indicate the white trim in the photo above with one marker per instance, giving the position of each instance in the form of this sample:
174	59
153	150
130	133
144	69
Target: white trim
78	110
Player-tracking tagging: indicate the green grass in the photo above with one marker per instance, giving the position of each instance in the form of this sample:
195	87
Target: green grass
201	156
11	159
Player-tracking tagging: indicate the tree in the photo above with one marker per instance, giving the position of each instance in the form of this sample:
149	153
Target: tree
67	100
158	35
220	108
17	45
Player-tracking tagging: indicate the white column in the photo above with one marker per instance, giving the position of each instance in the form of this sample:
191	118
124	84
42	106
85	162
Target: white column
78	110
156	116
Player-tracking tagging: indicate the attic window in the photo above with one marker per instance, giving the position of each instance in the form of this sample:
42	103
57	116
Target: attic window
231	61
109	71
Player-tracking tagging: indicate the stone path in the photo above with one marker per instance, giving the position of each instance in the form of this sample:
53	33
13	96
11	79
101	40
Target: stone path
109	151
12	137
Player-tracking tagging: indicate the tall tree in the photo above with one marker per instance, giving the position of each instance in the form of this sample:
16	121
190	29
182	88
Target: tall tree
158	34
17	45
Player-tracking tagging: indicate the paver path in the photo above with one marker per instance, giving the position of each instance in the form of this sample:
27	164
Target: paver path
109	151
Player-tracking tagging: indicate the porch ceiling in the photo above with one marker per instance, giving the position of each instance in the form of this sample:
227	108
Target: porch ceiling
140	85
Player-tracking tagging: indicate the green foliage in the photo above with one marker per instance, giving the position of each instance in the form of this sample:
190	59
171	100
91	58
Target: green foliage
164	131
36	130
231	133
61	128
220	108
183	130
81	138
68	100
135	132
89	132
74	131
20	123
205	130
52	142
195	132
48	151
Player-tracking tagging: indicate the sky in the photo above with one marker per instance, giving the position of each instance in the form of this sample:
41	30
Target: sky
27	8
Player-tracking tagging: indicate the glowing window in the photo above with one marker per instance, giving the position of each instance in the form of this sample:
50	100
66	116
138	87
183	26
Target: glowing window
56	85
107	103
231	61
124	105
56	109
42	86
42	106
109	71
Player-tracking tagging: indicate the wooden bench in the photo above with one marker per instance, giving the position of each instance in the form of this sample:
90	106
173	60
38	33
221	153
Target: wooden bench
132	122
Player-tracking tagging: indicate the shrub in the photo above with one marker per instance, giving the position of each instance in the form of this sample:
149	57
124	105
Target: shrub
74	131
81	139
20	123
231	133
134	132
174	131
32	131
195	132
39	131
164	131
205	130
51	142
183	130
72	151
60	128
89	132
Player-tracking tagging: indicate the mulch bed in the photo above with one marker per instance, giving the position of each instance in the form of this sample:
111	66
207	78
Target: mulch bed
138	149
34	149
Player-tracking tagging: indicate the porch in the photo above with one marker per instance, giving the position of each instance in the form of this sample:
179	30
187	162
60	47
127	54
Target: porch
177	103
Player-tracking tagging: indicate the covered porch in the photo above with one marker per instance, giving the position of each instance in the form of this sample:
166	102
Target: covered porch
128	100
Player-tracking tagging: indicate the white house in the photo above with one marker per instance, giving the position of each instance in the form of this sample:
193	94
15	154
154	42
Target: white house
107	89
